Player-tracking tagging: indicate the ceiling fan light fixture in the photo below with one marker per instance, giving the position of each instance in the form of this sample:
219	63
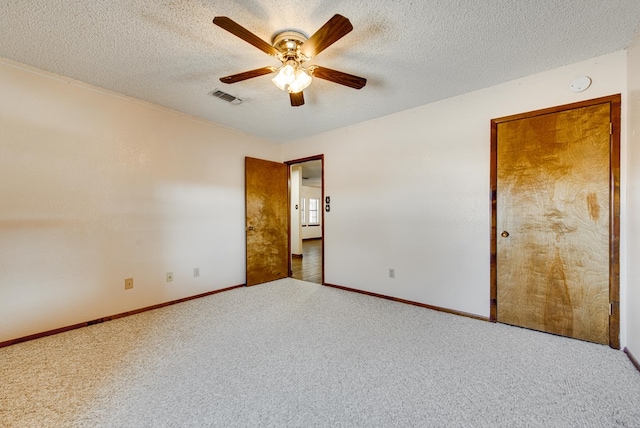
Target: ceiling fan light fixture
301	82
286	75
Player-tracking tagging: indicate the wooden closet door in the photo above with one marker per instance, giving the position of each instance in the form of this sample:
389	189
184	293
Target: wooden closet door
553	222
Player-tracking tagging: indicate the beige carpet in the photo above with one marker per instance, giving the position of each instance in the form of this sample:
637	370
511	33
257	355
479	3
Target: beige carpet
291	353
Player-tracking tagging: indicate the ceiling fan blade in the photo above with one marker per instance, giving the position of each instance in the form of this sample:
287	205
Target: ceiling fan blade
297	99
334	29
246	35
247	75
335	76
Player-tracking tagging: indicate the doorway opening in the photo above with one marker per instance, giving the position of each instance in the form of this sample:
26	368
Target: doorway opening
306	190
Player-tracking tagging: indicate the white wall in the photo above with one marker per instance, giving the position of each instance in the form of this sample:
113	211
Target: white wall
96	188
422	178
310	232
633	201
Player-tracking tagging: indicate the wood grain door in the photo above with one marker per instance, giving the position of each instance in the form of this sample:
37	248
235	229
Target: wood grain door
553	221
267	220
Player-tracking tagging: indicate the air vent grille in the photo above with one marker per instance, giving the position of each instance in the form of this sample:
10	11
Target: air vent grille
225	96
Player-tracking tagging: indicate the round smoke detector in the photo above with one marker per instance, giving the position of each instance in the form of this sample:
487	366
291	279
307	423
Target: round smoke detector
580	84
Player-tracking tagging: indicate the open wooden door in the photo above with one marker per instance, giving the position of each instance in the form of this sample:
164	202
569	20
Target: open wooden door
555	220
267	220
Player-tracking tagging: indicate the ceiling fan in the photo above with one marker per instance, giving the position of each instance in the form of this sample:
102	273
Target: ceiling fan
293	49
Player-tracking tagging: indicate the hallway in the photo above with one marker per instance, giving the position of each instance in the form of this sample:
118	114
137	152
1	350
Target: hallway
309	267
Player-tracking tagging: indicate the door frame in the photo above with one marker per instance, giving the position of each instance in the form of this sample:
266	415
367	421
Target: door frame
319	157
614	206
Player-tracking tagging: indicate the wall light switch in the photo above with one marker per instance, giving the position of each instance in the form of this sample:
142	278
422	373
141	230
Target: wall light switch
169	276
128	283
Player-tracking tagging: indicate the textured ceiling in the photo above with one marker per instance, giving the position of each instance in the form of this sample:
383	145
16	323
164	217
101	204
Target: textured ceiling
412	52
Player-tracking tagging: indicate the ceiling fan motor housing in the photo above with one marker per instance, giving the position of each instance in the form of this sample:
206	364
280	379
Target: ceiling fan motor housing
288	43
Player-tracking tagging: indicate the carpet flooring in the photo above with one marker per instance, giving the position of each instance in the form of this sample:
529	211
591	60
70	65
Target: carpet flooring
293	354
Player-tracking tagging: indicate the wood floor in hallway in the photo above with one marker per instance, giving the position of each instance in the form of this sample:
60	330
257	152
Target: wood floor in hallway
309	266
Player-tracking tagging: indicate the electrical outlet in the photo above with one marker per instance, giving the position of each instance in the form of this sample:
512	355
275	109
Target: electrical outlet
392	273
128	283
196	272
169	276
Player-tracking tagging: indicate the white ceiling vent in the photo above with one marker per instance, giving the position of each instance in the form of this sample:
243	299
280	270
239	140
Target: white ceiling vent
225	96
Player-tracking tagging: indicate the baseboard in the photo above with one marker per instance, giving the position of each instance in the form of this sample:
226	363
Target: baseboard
632	358
111	317
409	302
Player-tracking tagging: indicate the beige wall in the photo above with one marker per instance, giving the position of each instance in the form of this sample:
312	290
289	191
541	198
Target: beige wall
633	200
410	191
96	188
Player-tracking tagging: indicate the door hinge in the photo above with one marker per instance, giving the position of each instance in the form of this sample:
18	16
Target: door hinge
610	308
611	129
